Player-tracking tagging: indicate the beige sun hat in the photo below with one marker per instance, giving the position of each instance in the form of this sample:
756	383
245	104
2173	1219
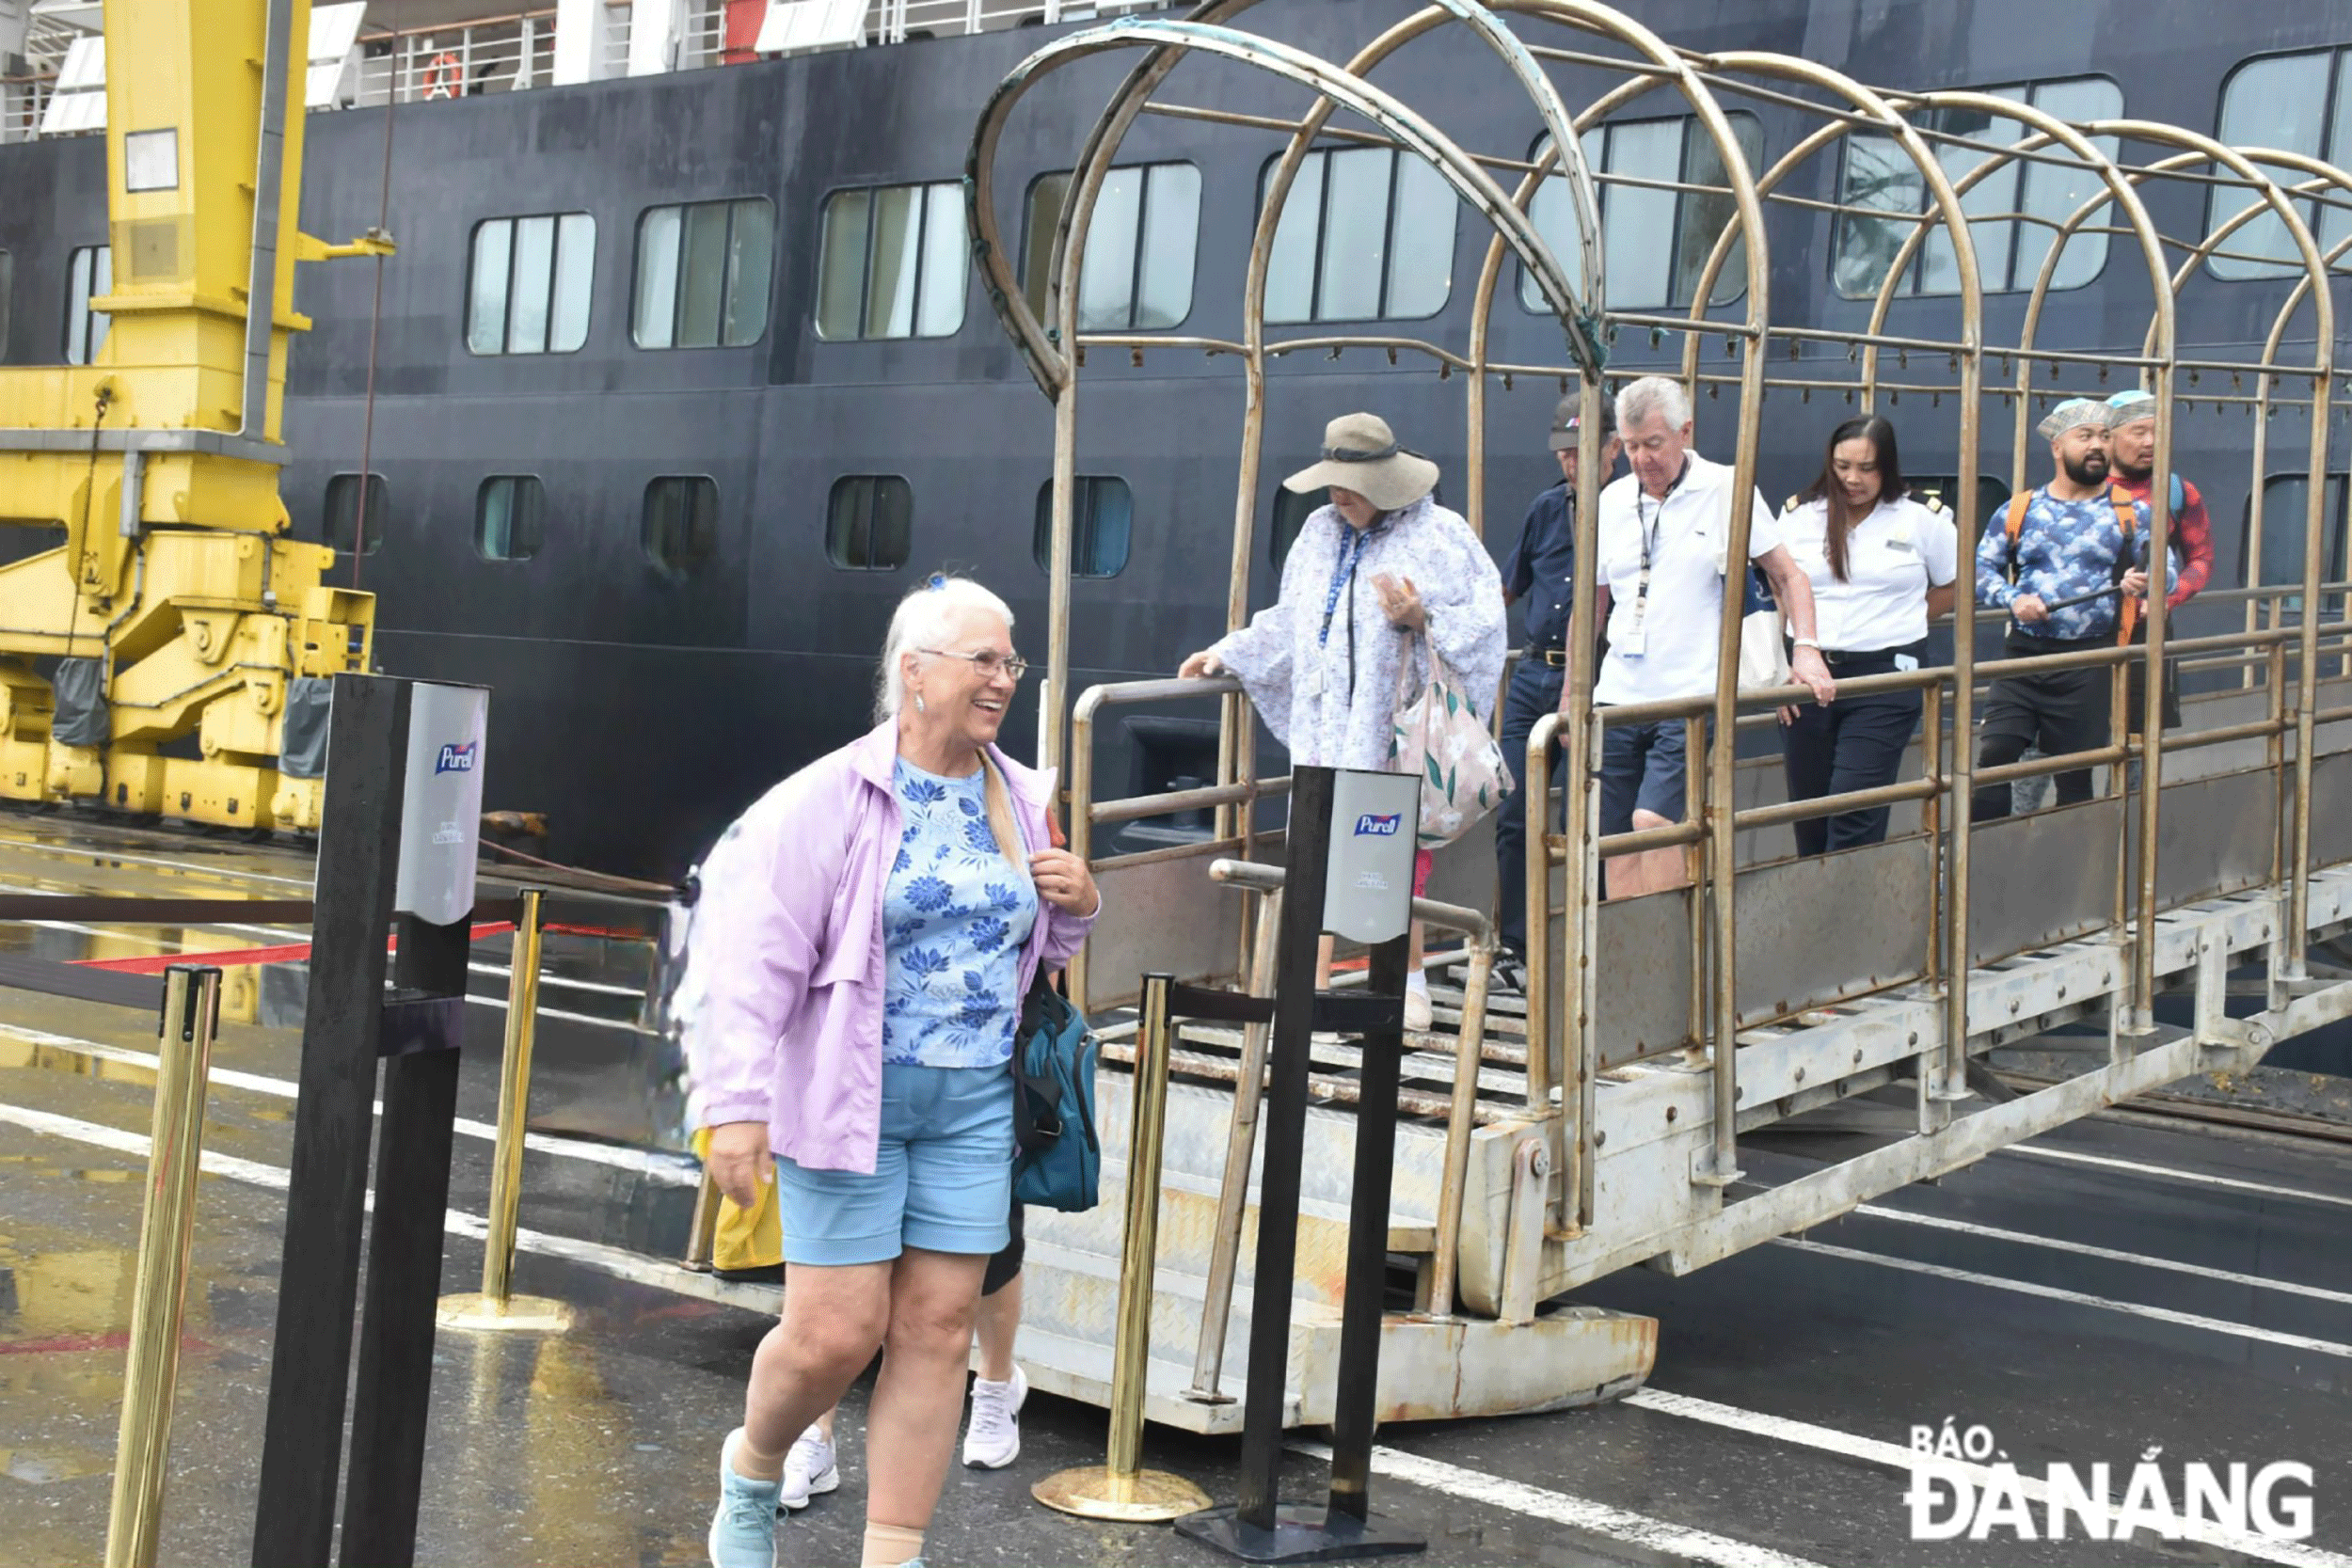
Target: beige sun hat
1360	454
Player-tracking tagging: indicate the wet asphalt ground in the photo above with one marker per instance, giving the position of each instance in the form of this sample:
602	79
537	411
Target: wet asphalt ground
2114	1290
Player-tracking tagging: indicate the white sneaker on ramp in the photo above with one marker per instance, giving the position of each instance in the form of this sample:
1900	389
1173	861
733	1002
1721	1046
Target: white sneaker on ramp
993	1439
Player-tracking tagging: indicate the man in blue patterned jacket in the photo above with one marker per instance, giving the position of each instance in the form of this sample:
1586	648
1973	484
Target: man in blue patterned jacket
2066	562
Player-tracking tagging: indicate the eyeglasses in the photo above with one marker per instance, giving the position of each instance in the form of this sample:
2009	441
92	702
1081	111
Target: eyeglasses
988	663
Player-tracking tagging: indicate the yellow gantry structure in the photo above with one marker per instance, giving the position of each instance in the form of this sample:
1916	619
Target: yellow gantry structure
172	623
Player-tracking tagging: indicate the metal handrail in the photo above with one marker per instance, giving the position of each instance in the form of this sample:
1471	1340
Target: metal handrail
1238	796
1461	1111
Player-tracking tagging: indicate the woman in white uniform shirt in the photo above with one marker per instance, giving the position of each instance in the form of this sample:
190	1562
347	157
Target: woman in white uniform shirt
1881	564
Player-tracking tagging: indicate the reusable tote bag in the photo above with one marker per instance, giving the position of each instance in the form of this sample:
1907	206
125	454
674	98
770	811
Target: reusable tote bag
1439	737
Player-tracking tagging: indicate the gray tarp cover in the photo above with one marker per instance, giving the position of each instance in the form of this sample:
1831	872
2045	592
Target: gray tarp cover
305	753
82	718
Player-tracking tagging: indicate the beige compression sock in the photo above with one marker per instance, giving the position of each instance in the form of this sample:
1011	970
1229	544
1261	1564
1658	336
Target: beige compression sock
752	1465
888	1546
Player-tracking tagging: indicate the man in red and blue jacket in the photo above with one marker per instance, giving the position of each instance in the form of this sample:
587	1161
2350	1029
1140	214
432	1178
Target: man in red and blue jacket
2131	457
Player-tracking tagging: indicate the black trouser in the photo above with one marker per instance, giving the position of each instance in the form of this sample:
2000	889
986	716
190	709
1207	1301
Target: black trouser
2138	697
1534	691
1853	743
2061	711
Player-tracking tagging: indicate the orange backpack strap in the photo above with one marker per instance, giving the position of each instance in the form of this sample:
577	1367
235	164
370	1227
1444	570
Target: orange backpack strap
2127	518
2013	522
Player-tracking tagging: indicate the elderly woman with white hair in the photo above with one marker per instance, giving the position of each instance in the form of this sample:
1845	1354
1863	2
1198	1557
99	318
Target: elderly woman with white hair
1372	575
865	937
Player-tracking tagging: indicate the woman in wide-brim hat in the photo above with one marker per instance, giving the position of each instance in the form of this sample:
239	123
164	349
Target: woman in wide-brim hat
1379	565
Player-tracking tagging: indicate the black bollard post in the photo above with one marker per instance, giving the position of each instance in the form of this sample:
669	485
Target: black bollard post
302	1442
1261	1528
425	1024
1309	852
402	793
1356	1408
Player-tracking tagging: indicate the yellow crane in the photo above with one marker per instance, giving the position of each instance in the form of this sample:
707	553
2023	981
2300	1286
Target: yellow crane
151	662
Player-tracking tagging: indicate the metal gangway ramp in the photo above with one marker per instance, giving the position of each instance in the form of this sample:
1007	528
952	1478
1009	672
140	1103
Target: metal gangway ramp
1597	1124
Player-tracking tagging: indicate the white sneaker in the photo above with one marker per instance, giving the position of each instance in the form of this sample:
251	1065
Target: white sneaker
993	1439
809	1470
1417	1014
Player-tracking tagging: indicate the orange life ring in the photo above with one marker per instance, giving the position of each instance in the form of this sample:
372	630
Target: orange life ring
441	75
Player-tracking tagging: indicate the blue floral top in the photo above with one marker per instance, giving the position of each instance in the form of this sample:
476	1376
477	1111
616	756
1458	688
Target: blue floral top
954	918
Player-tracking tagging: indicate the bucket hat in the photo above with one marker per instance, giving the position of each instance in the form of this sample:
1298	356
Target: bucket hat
1360	454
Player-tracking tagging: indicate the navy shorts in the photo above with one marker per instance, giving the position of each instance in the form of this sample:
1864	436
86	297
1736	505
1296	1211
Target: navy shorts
1642	767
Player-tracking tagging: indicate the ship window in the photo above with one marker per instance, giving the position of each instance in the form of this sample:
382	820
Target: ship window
1653	243
681	528
1137	275
510	517
1991	494
89	275
354	522
2297	104
1291	512
531	281
869	522
2286	513
1102	526
893	263
1368	232
2009	251
702	274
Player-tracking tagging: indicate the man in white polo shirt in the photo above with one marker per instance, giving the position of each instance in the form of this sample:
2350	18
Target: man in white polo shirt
1664	536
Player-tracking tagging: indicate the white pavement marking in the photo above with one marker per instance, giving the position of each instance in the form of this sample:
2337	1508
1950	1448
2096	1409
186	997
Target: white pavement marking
2051	1292
624	1025
1871	1451
2197	1178
603	988
617	1261
2085	1249
1639	1529
668	1169
101	1136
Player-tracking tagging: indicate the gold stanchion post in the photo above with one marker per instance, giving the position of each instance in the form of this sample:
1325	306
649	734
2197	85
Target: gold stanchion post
702	1231
191	1011
496	1306
1120	1489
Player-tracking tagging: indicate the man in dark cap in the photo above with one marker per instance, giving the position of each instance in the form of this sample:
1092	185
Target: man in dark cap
1539	574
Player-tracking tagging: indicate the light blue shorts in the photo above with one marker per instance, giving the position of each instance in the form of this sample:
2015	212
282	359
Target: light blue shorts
941	1181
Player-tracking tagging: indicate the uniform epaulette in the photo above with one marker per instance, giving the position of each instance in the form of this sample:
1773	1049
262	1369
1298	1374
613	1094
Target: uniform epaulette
1789	505
1934	502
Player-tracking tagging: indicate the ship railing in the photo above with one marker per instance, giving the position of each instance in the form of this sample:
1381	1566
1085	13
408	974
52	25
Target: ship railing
22	101
895	21
701	42
455	59
1819	932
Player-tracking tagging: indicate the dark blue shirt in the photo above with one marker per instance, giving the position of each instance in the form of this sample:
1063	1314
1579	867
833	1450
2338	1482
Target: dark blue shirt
1541	567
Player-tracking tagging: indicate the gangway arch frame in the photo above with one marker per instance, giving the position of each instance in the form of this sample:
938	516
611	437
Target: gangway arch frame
1054	359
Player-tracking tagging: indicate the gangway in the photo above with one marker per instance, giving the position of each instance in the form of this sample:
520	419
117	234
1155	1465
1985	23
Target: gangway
1598	1125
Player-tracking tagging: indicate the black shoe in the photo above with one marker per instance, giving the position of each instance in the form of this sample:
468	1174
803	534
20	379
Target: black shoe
1509	975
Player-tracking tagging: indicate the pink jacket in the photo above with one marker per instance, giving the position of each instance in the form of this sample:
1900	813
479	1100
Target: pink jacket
783	1001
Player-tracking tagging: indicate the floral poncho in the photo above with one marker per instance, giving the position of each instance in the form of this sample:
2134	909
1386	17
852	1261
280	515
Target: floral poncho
1331	696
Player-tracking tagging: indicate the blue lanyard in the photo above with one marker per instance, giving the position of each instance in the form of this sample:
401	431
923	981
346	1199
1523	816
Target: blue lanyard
1350	548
